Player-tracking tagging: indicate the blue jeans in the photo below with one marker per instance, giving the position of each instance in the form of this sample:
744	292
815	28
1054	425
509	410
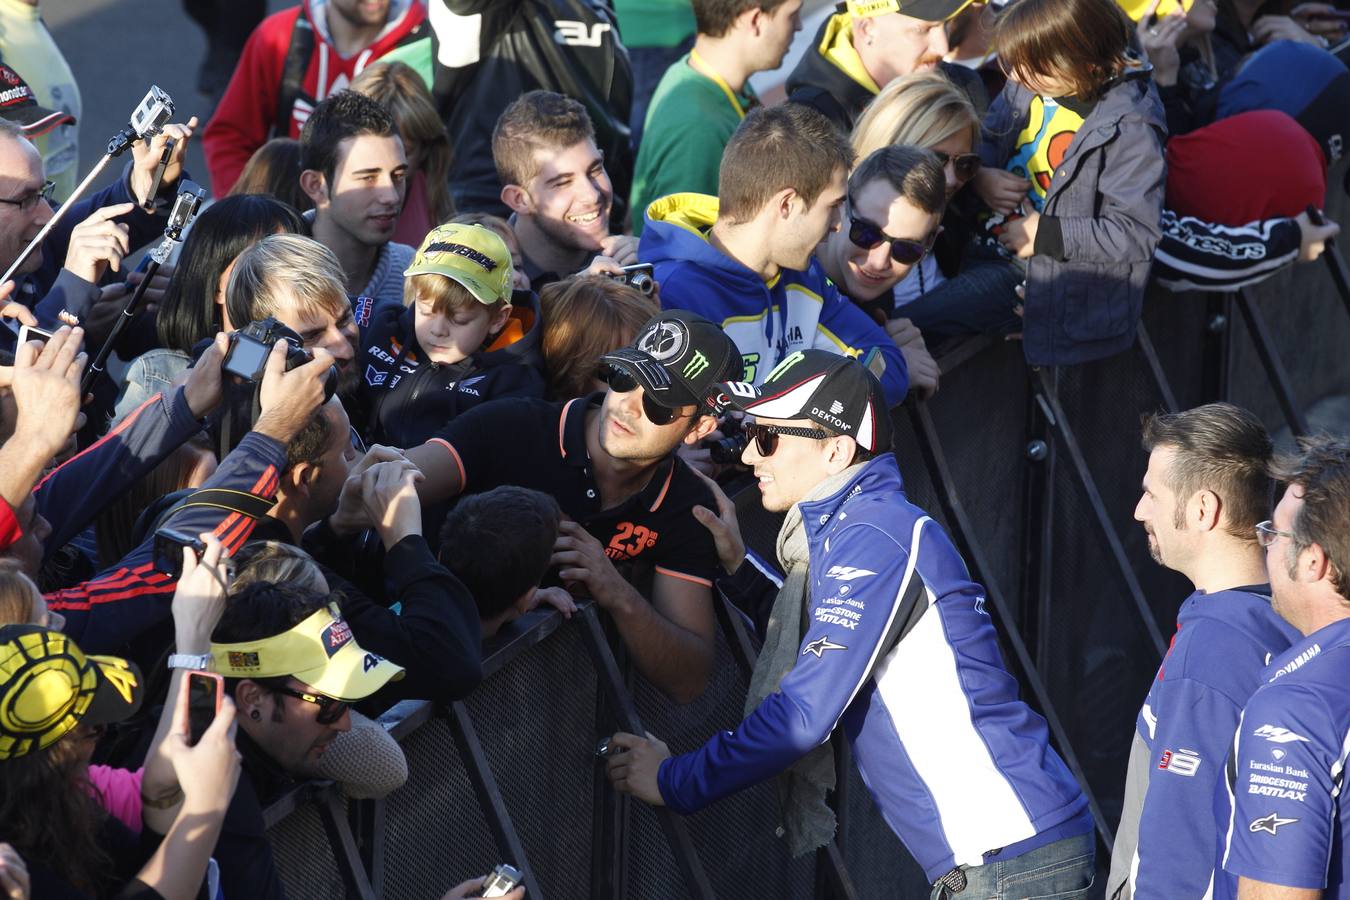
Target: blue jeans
978	300
1063	870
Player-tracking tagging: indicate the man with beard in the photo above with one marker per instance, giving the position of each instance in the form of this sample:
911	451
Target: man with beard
870	43
353	167
297	281
556	187
1207	485
292	61
1287	833
744	257
609	459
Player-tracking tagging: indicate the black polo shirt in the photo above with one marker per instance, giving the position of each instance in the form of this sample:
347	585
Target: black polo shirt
536	444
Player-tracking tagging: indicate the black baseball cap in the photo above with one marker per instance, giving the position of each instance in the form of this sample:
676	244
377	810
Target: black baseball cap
835	391
48	686
678	358
928	10
19	105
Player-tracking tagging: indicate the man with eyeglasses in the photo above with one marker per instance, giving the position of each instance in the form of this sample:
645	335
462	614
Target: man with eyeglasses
896	198
1288	837
94	235
293	667
610	461
1206	487
745	257
878	632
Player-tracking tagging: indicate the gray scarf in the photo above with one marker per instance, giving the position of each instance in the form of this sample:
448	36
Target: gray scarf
807	821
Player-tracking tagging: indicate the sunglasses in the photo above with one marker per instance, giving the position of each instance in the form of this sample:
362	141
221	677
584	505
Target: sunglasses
965	165
766	436
330	709
868	236
620	382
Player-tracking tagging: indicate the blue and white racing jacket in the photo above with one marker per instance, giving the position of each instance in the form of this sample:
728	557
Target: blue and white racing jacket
900	651
1288	825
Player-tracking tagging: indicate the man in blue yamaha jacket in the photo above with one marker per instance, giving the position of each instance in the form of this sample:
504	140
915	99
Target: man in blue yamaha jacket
1207	485
875	601
743	259
1286	837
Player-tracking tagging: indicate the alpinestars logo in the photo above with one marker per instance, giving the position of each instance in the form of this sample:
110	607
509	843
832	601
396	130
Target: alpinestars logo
1277	735
820	645
847	573
1269	824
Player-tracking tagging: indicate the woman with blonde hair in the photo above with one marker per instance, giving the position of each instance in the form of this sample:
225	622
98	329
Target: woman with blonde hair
401	90
947	292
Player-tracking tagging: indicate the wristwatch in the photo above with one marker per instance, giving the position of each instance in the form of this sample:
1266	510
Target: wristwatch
189	661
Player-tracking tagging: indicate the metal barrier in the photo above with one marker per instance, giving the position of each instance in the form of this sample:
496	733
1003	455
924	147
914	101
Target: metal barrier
1034	473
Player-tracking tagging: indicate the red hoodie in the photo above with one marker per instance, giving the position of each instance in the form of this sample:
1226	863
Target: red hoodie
246	115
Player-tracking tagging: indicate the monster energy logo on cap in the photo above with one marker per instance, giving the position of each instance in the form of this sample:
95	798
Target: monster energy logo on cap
696	366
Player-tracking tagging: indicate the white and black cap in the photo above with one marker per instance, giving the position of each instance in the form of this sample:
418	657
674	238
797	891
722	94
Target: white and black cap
835	391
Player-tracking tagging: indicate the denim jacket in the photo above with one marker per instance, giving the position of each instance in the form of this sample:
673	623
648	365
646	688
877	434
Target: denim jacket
1108	197
149	374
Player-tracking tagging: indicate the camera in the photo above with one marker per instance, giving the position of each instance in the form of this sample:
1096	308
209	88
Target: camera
250	346
168	554
638	277
190	197
502	881
727	451
152	114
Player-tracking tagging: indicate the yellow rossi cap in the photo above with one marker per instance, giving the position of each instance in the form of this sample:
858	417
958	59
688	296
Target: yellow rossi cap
320	651
928	10
472	255
48	686
1136	9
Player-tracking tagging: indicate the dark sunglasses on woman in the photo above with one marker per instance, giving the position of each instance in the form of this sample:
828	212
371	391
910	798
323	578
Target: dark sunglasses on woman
620	382
868	236
965	165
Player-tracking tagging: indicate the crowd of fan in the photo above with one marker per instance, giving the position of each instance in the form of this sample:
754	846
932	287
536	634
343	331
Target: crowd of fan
526	337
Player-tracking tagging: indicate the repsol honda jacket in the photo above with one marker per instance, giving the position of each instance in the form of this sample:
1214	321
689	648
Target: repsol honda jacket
290	61
1289	822
900	652
1168	828
796	311
410	398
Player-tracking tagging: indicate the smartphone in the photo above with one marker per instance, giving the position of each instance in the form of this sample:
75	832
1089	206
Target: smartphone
168	552
31	333
502	881
201	699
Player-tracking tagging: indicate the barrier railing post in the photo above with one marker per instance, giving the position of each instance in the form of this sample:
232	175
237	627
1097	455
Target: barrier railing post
607	673
1155	368
963	534
490	799
1271	362
340	838
1043	383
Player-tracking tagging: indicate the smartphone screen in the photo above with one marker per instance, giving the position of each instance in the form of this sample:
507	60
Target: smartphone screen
29	333
247	358
203	700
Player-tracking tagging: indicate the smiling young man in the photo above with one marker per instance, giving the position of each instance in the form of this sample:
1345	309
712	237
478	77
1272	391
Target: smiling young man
556	187
896	199
353	167
870	43
875	600
610	461
745	257
1207	486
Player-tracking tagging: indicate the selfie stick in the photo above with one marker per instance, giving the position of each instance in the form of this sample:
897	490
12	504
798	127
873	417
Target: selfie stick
149	118
190	196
